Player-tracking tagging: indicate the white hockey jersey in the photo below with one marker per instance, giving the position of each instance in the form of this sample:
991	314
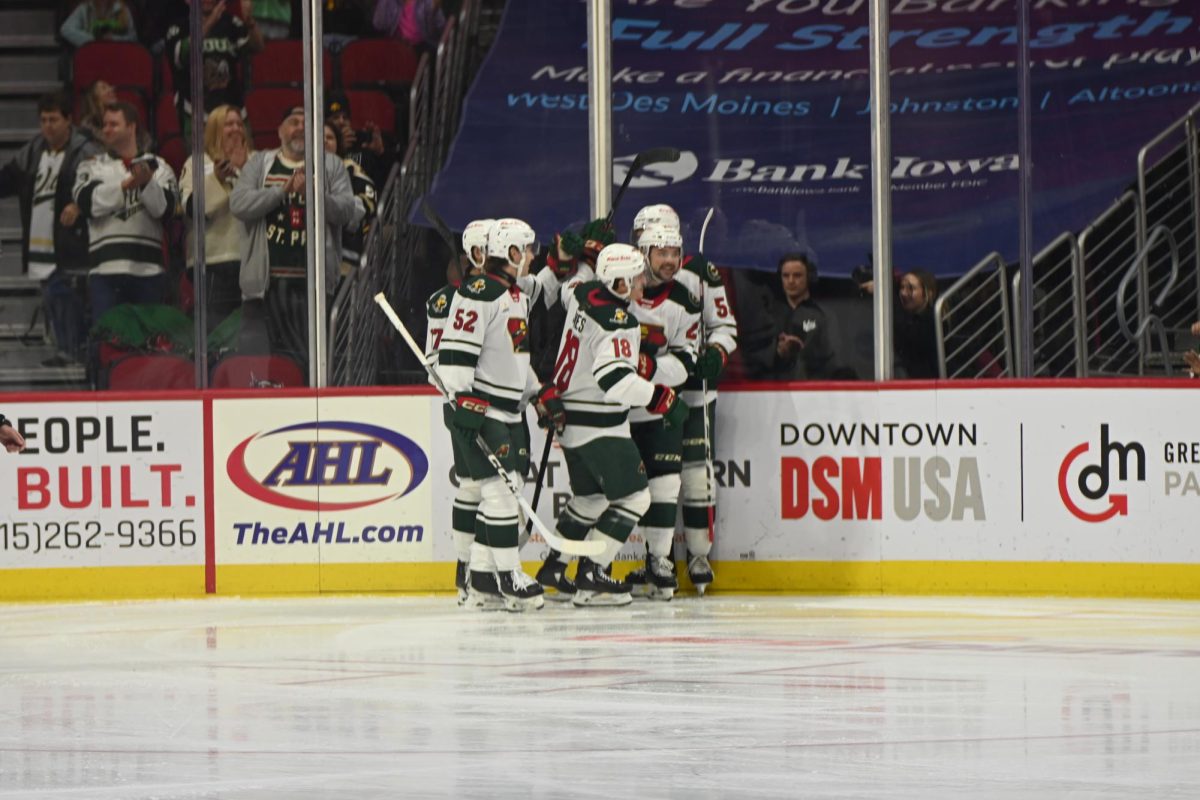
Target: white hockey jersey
596	370
125	228
719	325
485	345
669	319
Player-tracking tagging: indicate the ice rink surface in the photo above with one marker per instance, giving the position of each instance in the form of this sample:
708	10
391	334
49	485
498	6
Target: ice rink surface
725	697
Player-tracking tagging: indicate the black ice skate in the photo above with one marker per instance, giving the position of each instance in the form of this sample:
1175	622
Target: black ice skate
638	586
460	582
700	573
594	587
520	592
660	573
483	592
553	578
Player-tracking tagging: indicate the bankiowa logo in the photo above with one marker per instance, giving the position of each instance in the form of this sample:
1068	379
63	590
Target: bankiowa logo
653	176
303	467
1094	480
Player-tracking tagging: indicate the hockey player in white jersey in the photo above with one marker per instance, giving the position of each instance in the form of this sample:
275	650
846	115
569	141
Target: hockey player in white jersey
669	317
437	312
483	360
718	341
597	375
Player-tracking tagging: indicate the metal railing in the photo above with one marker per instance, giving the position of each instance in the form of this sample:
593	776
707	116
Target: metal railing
359	334
1151	320
974	325
1057	307
1105	247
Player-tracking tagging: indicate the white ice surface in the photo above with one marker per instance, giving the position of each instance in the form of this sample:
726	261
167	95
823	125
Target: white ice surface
725	697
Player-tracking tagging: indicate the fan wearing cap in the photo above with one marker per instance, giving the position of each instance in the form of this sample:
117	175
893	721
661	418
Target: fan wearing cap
368	147
269	199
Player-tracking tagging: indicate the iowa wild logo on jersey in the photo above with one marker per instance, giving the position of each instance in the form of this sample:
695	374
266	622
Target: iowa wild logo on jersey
440	304
619	316
477	286
518	331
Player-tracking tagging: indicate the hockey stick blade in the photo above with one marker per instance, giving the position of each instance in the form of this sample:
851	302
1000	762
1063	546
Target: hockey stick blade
586	548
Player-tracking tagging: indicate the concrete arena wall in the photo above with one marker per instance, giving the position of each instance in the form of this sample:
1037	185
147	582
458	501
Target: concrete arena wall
1074	488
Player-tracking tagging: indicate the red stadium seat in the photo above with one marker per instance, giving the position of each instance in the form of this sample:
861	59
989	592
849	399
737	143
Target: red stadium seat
126	65
166	117
174	150
150	372
265	109
132	96
281	63
388	64
166	77
372	106
248	372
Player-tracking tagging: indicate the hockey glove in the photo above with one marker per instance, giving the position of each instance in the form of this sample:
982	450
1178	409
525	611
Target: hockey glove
666	402
591	251
646	365
562	257
711	362
599	230
571	243
469	412
551	411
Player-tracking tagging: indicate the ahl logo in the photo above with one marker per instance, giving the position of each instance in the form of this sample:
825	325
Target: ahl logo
1093	480
356	466
653	176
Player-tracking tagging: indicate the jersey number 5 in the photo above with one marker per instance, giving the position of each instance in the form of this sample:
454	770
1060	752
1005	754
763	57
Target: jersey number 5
465	322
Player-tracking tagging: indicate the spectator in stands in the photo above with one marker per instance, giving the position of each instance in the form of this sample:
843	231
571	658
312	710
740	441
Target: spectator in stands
99	21
98	96
417	22
228	39
227	147
365	147
125	195
354	234
914	334
269	200
800	346
54	236
274	18
10	437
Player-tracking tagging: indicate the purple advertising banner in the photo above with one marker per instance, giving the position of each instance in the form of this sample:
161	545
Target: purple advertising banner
768	102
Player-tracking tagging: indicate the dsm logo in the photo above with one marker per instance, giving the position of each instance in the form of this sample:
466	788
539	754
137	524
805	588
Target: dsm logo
653	176
343	465
1092	483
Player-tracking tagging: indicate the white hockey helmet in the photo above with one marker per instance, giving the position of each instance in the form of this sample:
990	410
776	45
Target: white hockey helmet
476	235
658	235
506	234
619	261
658	214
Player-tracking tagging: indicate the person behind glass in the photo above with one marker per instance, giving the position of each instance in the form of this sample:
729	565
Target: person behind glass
10	437
269	200
227	147
228	37
354	234
98	21
800	347
98	96
126	195
54	244
366	147
914	333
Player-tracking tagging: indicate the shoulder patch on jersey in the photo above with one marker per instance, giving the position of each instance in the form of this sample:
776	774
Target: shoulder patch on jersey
481	288
704	269
438	304
595	301
477	286
684	297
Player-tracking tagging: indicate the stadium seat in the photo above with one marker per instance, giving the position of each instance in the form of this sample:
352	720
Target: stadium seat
281	63
265	108
174	150
132	96
372	106
248	372
166	81
166	118
148	372
126	65
387	64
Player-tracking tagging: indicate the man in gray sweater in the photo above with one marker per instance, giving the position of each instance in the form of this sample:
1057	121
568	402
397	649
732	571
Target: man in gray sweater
269	200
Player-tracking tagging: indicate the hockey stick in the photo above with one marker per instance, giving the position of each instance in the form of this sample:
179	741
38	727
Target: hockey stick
711	489
587	547
541	476
441	227
655	155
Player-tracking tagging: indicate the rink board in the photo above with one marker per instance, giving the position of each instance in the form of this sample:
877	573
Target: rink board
919	488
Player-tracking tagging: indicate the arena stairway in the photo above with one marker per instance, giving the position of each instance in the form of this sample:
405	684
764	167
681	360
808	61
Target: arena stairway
30	57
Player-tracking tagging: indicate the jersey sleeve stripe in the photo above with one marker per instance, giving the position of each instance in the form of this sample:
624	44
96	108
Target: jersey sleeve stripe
456	358
612	377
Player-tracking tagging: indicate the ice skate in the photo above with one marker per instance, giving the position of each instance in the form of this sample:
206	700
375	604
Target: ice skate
660	574
638	585
519	591
483	592
553	578
700	573
593	587
460	582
